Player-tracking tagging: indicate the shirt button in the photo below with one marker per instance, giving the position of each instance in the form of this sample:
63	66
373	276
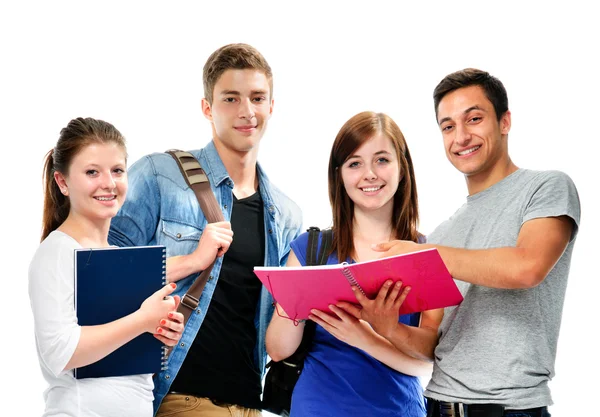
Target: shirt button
270	231
182	344
225	206
178	235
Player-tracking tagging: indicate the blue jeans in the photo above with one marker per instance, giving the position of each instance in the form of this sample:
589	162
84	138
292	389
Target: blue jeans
545	413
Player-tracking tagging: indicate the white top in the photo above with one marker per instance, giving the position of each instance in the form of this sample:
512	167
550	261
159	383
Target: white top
51	283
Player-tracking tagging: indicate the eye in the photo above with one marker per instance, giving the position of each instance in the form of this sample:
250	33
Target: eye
229	99
91	172
259	99
353	164
383	160
476	119
447	128
119	171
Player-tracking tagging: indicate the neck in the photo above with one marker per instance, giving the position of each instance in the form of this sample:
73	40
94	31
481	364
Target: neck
88	233
484	180
369	228
241	167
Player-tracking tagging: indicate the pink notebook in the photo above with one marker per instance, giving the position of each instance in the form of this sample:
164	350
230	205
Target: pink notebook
299	289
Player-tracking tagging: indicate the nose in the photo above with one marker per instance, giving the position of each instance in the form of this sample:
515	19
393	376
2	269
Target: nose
246	110
463	135
109	182
370	173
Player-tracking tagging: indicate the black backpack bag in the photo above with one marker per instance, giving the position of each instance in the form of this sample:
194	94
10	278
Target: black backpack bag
282	376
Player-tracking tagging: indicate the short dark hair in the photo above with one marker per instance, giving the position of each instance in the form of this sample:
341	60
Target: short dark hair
492	87
233	56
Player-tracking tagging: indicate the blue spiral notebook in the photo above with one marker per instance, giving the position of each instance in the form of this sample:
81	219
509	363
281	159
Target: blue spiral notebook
111	283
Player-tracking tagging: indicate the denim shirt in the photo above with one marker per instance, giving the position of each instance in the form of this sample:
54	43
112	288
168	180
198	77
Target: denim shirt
161	209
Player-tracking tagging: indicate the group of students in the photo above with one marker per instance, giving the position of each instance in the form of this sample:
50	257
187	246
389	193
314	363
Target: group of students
508	247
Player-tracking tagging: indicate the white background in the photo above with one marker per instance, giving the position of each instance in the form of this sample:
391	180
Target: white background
139	66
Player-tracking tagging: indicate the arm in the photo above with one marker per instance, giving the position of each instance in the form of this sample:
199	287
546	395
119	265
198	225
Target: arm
358	333
156	315
540	244
283	336
382	314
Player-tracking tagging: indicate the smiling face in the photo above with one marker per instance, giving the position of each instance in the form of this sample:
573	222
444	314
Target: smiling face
475	140
240	110
96	182
371	175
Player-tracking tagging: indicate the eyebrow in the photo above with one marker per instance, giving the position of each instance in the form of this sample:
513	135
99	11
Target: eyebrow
237	93
467	111
376	153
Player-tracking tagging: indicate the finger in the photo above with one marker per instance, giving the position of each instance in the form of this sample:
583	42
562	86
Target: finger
327	318
341	313
402	297
362	299
328	327
383	246
176	316
177	300
168	334
164	340
173	325
350	308
383	291
393	294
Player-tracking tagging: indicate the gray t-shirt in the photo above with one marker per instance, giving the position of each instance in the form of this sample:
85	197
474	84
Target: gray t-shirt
499	346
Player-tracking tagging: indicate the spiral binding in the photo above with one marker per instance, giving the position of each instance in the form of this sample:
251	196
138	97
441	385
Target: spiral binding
164	358
348	274
164	267
165	349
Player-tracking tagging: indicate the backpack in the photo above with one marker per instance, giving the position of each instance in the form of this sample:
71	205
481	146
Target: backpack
282	376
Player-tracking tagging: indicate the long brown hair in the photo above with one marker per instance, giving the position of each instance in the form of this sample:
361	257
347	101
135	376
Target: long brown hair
78	134
405	215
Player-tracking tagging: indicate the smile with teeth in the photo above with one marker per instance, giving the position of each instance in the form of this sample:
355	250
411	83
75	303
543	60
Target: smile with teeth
371	189
468	151
106	198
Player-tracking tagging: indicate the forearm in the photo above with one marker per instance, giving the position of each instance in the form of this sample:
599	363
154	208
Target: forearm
283	336
96	342
507	267
385	352
416	342
182	266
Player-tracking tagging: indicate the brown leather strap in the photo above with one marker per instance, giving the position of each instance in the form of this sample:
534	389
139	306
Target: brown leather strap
196	178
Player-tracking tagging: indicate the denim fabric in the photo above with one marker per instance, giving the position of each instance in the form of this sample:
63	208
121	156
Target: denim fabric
162	210
544	413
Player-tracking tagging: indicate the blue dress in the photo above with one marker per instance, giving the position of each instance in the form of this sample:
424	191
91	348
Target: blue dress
341	380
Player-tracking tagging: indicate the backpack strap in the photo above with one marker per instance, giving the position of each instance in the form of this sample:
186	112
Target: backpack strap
196	178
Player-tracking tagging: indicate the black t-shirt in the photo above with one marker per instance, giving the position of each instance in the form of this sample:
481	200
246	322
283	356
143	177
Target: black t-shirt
220	363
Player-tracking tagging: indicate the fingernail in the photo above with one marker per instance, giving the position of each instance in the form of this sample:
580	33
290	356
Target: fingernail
173	285
398	284
163	322
170	315
159	330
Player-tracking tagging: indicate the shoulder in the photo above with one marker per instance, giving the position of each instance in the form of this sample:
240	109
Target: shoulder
55	249
284	205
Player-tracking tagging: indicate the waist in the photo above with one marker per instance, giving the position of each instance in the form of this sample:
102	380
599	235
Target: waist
437	408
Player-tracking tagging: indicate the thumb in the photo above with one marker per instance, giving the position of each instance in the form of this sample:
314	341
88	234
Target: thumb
382	247
167	289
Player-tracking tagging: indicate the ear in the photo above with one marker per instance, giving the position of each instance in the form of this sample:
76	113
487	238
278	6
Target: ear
271	108
505	123
61	181
206	109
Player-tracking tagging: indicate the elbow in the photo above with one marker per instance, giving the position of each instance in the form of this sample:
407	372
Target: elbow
530	277
277	353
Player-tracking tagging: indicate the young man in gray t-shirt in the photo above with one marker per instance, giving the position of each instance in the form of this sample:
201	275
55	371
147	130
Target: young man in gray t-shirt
509	249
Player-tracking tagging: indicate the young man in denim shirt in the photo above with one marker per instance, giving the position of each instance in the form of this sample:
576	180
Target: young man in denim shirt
217	367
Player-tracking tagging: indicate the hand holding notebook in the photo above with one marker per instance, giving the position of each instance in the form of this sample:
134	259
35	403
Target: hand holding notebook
300	289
